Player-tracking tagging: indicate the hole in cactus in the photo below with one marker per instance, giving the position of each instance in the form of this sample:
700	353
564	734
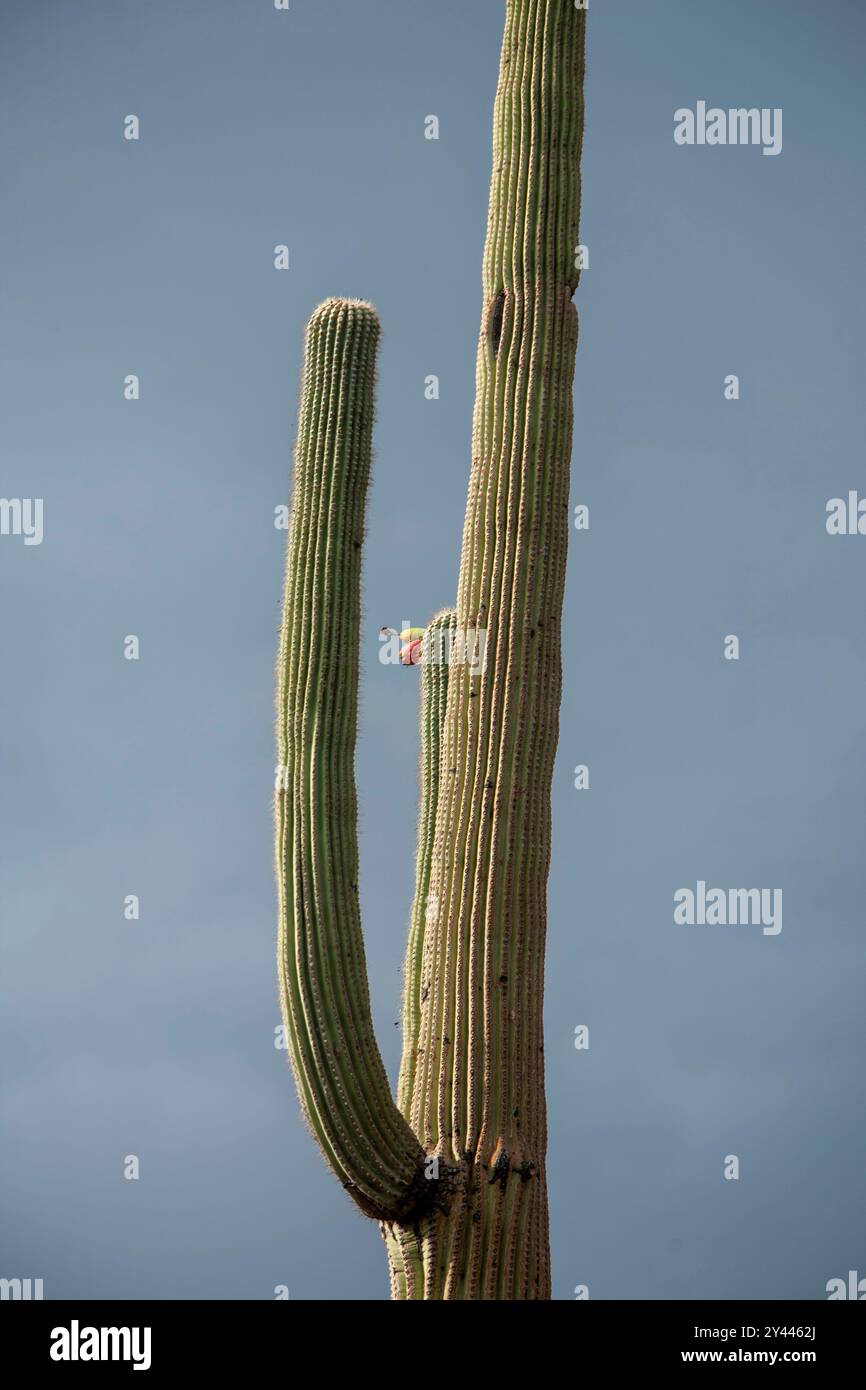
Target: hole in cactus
496	313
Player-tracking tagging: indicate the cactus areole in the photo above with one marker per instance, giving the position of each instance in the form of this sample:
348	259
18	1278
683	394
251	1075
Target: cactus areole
454	1168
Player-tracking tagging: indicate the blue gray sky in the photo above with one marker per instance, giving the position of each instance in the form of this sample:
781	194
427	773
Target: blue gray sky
707	518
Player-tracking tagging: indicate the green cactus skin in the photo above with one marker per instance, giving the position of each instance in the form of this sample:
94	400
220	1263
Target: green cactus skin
341	1080
478	1091
434	667
462	1207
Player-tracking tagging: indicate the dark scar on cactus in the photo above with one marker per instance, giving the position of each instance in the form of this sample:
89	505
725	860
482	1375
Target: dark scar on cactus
497	313
501	1169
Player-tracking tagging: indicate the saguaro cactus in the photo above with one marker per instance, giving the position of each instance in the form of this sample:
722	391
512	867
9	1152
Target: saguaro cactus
455	1170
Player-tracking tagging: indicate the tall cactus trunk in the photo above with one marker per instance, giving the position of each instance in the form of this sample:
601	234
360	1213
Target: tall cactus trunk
478	1097
463	1206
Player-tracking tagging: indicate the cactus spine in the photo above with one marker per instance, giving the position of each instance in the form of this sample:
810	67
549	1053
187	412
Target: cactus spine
455	1172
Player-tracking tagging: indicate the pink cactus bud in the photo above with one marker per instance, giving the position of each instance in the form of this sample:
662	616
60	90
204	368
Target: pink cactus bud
412	639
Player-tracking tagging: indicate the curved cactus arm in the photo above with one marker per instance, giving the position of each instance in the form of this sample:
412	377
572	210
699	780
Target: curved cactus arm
341	1080
435	663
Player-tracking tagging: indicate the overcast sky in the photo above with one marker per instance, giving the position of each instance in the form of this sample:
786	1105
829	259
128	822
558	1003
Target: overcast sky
155	1037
